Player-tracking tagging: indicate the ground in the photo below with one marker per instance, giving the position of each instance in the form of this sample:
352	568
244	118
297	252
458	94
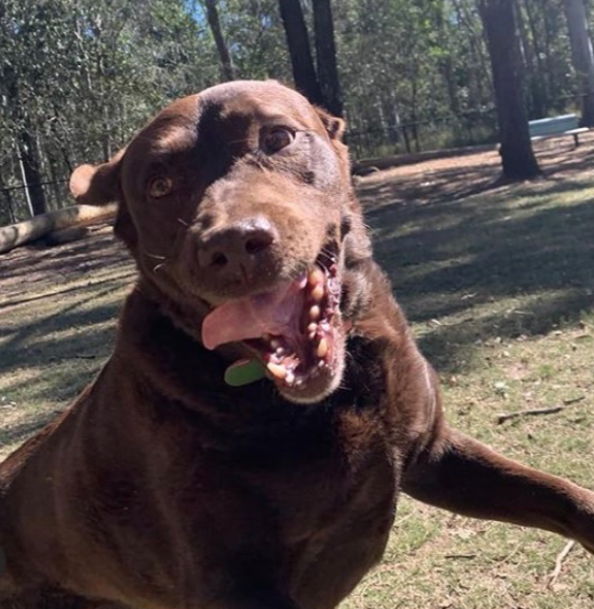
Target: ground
498	282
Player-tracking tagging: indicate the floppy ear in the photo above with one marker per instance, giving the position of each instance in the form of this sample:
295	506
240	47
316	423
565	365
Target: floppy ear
100	185
97	184
334	126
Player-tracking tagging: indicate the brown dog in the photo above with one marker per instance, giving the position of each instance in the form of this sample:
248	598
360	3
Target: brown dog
174	482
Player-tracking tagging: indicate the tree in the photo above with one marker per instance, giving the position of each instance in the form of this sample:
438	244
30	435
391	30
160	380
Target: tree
517	157
582	56
326	56
304	72
78	78
212	14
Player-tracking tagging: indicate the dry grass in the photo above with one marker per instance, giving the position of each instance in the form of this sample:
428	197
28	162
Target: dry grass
498	281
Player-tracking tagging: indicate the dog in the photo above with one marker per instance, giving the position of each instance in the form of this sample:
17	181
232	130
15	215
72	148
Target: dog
265	403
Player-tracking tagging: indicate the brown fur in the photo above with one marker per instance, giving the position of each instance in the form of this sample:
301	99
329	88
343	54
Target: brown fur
162	487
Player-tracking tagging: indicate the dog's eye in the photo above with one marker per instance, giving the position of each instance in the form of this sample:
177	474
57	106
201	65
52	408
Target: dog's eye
159	187
278	138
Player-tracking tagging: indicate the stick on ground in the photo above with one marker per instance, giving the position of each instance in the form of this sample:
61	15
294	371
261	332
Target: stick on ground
554	575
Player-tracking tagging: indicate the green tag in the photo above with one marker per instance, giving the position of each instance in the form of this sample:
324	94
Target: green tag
244	372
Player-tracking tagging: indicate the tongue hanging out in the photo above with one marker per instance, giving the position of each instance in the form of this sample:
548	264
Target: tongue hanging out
290	328
254	316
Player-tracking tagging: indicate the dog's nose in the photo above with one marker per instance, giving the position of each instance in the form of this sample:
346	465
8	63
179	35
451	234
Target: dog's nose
237	247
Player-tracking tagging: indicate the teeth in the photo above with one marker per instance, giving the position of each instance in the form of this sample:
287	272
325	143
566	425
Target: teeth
275	343
290	378
315	277
279	351
314	312
318	293
312	327
322	349
279	372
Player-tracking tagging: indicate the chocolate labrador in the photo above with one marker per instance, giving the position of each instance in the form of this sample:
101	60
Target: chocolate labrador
265	403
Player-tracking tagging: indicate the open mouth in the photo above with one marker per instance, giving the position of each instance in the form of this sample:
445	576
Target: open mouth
295	330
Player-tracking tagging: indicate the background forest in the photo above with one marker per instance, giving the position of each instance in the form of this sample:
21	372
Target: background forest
78	77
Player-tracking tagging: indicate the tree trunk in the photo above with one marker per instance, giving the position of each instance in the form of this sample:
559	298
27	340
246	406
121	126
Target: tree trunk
530	73
541	78
78	215
212	14
304	73
326	57
517	157
32	173
582	56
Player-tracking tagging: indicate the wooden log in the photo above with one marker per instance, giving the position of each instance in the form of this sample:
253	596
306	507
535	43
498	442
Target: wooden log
29	230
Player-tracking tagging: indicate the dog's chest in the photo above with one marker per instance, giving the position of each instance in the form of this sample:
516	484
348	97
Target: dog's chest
301	487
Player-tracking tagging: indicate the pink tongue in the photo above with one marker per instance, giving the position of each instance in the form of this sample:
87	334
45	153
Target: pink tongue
275	313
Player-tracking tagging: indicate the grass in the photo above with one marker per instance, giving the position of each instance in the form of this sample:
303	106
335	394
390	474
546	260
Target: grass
498	282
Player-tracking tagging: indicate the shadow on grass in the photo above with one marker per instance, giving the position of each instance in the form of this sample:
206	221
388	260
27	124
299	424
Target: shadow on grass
39	341
16	434
446	256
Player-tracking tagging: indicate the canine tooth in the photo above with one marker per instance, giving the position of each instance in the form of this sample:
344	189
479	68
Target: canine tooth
290	378
318	293
314	312
278	371
322	349
279	351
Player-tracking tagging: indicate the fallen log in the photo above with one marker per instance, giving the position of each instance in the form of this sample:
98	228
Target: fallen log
30	230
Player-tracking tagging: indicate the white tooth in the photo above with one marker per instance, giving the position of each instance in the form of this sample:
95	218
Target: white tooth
314	312
280	351
321	363
275	343
311	336
278	371
312	327
318	293
322	349
290	378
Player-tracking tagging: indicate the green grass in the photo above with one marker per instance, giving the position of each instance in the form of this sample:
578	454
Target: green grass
498	282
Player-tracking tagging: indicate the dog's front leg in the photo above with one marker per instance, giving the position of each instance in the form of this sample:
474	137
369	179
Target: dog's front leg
462	475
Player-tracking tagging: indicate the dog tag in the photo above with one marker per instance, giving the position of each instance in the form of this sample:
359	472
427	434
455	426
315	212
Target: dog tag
244	372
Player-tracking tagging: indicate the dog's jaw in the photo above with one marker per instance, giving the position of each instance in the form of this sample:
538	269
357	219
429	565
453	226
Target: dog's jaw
295	330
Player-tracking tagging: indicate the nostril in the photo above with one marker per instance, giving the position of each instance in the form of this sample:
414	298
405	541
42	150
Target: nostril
258	243
218	259
237	246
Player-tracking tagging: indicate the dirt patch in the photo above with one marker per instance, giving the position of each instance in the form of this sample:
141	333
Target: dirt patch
27	272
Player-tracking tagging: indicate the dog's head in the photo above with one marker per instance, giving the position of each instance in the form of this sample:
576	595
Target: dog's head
238	208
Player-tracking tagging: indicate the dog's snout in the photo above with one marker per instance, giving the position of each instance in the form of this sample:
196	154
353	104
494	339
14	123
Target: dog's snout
236	247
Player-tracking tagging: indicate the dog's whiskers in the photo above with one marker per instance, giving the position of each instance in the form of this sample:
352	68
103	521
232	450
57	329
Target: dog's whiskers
183	222
155	256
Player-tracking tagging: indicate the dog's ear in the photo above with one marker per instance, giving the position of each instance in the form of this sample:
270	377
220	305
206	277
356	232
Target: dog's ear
101	184
97	184
334	126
